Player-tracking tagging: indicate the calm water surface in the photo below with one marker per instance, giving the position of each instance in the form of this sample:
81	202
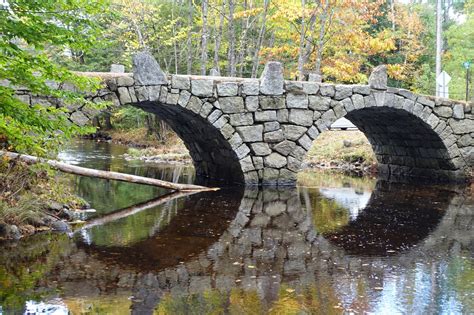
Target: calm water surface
335	244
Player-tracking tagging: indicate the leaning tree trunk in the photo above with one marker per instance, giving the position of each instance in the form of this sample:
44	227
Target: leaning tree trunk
83	171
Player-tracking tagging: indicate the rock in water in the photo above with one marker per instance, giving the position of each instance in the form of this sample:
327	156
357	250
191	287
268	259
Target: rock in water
378	78
60	226
271	82
146	70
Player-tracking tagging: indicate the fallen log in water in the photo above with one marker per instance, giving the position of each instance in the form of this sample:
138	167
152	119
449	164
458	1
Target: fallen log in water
83	171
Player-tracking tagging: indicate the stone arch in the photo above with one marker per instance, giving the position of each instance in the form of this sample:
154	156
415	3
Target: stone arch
407	137
213	157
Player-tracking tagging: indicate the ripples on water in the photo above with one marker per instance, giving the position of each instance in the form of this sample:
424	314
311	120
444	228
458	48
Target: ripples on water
335	244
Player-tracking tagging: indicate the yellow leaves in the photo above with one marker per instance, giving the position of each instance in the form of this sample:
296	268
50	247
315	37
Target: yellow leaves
247	13
396	71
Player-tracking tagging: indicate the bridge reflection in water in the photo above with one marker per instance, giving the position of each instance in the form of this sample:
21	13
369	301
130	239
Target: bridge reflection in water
358	246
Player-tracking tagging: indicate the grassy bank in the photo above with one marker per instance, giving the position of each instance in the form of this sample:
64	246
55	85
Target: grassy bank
33	198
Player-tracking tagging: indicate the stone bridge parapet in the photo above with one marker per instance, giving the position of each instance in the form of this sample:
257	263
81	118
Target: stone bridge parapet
258	131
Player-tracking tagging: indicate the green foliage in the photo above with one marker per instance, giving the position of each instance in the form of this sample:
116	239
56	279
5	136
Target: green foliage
28	28
460	39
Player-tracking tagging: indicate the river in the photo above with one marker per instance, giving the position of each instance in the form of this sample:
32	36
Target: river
334	244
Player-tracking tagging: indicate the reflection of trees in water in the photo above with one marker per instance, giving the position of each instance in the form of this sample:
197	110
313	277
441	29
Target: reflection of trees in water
24	264
269	257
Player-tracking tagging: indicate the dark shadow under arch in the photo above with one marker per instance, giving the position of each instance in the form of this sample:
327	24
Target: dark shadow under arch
214	160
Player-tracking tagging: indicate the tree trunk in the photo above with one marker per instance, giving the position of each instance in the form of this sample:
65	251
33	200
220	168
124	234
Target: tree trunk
231	30
204	35
218	39
261	35
73	169
301	57
190	39
439	42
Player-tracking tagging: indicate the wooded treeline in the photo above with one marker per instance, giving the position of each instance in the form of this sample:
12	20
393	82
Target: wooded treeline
341	40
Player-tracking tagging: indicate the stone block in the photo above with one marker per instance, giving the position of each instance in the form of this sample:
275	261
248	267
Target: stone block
327	90
378	78
266	115
146	70
458	111
305	142
294	100
269	102
154	92
235	141
227	89
202	87
125	81
294	164
342	92
124	96
313	132
292	132
242	119
142	93
219	123
79	119
163	94
301	117
231	105
425	101
319	103
271	81
214	115
258	162
369	101
361	89
184	97
247	164
285	147
172	99
275	160
194	105
443	111
242	151
206	110
251	133
251	103
260	148
250	87
282	115
461	126
180	82
274	136
227	131
271	126
357	101
270	176
310	87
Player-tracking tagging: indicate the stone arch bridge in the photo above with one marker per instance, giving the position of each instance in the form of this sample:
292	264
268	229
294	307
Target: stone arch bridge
258	131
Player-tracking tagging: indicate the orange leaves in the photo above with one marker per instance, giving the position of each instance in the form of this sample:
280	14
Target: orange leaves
396	71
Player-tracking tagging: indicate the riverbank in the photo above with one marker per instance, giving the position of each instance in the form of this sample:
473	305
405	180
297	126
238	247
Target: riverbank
34	199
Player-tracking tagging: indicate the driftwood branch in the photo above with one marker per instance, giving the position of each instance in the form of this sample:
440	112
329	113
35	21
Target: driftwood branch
83	171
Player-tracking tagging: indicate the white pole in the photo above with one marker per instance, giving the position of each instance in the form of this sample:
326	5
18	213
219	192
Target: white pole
439	42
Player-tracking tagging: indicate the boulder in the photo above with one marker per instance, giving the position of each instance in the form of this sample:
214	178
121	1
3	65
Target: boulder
146	70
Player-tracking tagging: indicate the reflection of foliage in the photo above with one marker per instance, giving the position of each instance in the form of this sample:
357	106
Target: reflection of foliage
103	305
21	269
310	300
328	215
209	302
244	302
316	178
134	228
461	278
